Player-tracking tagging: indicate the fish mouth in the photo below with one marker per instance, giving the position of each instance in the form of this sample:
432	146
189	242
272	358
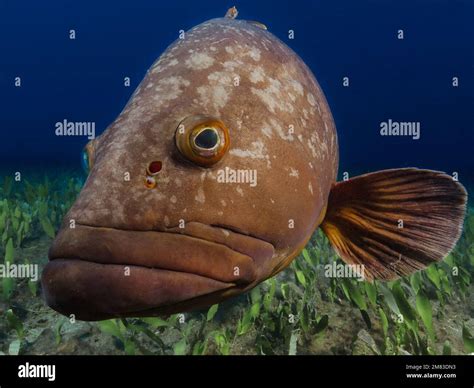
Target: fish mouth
99	273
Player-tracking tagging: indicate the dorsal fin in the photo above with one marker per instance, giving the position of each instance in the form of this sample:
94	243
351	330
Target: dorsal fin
257	24
232	13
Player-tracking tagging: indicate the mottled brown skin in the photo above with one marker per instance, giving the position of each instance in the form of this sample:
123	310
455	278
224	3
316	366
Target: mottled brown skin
123	225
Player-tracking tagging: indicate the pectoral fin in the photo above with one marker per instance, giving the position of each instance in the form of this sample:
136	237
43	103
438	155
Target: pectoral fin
395	222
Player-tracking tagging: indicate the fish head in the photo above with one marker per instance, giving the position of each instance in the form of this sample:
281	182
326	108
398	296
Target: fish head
210	181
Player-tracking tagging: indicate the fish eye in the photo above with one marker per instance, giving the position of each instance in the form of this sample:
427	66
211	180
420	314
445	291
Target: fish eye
203	140
87	159
207	139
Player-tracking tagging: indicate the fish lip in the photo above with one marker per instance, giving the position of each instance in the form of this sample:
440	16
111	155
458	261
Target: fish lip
248	254
90	247
67	286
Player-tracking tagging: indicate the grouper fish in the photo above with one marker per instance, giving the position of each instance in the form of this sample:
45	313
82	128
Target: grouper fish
168	220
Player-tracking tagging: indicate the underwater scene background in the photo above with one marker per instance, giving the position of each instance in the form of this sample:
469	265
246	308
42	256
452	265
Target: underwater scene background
370	73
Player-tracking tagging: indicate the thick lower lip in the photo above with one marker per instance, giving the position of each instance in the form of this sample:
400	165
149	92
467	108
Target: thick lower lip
99	273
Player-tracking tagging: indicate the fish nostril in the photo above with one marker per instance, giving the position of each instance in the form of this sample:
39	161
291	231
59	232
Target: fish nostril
154	167
150	182
152	170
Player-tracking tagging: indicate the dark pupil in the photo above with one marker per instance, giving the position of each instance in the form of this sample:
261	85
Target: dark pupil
207	139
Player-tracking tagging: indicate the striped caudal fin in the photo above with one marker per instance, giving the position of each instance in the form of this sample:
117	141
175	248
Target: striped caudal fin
395	222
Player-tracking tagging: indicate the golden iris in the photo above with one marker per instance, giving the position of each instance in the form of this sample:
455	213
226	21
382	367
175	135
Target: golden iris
203	140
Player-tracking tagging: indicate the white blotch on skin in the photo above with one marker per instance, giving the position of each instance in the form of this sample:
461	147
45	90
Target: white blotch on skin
231	65
297	87
272	97
257	75
315	145
267	131
239	124
211	175
319	145
254	53
161	64
294	173
200	197
170	88
311	99
240	191
310	188
173	199
218	91
250	32
199	61
285	135
257	151
217	95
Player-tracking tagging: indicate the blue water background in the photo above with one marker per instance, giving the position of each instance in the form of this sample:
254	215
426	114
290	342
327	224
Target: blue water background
405	80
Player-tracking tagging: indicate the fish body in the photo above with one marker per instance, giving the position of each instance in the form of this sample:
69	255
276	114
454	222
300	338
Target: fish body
159	226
